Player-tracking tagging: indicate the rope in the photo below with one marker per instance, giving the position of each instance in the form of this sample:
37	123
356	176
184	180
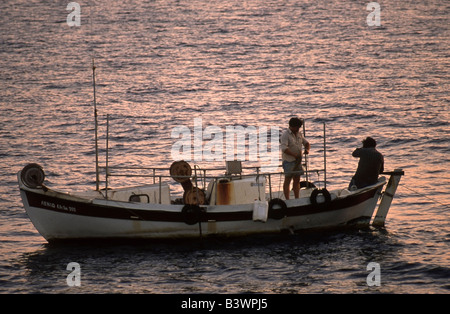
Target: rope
427	197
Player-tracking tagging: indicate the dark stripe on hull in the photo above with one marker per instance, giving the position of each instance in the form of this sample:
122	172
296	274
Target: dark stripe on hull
94	210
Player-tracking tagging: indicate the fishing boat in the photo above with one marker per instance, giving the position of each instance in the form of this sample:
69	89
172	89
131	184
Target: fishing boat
232	201
232	204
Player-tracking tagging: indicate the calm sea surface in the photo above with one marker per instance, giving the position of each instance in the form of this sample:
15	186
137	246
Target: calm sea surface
161	64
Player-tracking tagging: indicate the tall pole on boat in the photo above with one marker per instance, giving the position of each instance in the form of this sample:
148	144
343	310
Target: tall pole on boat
324	157
97	175
306	156
107	157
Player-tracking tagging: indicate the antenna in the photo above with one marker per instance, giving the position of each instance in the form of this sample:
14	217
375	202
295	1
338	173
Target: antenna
97	175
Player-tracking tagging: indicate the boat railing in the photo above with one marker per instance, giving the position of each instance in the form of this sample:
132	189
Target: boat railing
109	169
201	177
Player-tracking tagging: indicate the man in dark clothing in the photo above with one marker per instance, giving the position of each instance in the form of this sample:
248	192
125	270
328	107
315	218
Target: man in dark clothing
371	164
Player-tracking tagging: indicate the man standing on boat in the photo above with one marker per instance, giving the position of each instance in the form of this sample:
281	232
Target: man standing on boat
371	164
292	141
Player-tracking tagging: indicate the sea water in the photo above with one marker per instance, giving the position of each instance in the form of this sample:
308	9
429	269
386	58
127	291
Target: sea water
162	64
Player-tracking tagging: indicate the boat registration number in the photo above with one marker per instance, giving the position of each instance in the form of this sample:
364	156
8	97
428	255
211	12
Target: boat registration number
58	206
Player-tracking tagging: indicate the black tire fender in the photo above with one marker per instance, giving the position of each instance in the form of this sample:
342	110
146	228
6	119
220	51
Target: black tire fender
316	193
307	184
191	214
277	209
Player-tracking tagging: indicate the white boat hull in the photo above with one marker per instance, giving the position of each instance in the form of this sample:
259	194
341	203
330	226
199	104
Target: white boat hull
60	216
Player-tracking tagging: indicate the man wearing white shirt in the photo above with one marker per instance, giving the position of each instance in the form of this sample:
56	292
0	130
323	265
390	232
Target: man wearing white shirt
292	141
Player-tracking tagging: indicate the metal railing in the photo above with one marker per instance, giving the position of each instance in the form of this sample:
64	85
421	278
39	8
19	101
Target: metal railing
200	175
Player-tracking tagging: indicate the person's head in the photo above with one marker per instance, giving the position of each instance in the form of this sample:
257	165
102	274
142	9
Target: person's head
295	124
369	142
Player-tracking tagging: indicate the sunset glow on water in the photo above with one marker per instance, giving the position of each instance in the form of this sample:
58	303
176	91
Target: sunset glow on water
164	64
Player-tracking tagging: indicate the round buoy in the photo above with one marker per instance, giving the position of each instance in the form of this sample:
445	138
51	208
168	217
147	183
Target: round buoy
32	176
180	171
277	208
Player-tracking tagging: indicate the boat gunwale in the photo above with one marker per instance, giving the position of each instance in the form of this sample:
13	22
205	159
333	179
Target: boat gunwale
60	202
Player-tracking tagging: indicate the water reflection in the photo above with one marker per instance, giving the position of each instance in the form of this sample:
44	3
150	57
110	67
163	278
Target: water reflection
163	64
267	264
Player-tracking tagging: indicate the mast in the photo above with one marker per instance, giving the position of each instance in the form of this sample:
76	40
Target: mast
97	175
306	155
107	157
324	157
